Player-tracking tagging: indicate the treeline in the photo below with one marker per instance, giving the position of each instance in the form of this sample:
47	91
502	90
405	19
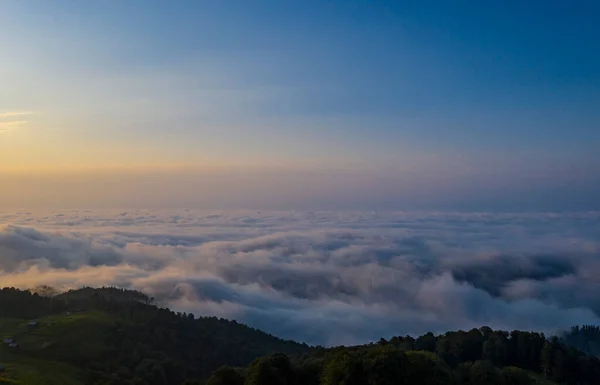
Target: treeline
476	357
25	304
108	293
585	338
45	300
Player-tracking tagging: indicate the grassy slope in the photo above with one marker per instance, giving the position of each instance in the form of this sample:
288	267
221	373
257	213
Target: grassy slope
65	338
81	337
56	338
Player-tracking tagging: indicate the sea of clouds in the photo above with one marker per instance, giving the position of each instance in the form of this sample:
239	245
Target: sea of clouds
324	277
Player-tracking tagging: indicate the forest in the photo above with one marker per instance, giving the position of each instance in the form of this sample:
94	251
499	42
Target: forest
115	336
476	357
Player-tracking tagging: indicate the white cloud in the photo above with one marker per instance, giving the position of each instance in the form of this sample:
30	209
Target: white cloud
324	277
7	126
12	114
12	119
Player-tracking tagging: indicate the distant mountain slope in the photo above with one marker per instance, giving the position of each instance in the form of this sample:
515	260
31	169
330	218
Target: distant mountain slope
111	335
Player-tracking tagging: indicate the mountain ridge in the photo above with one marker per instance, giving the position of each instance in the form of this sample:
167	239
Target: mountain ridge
114	336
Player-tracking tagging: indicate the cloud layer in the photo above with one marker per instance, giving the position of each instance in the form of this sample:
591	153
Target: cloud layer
324	277
8	120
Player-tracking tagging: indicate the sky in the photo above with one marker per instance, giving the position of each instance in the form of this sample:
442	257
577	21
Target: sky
306	104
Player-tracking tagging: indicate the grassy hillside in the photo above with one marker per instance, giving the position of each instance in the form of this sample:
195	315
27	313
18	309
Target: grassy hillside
36	359
115	336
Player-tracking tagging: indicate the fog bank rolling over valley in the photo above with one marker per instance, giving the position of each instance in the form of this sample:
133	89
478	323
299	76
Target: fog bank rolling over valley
323	277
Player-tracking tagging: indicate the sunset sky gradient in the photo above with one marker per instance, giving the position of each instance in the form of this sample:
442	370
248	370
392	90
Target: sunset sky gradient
300	104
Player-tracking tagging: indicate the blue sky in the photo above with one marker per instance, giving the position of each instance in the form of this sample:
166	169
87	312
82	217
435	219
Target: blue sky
509	88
